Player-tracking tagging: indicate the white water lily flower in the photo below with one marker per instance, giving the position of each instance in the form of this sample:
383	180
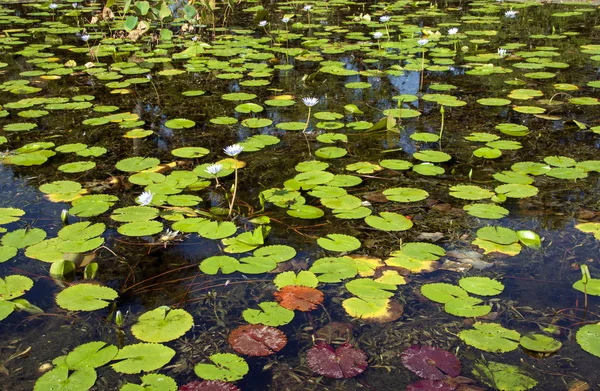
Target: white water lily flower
310	102
149	77
307	8
453	31
262	23
285	20
422	42
53	6
502	52
85	37
510	14
145	198
74	5
233	150
168	236
377	35
214	169
384	19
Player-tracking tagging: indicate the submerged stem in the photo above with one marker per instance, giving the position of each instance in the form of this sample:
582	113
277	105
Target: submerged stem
442	127
235	186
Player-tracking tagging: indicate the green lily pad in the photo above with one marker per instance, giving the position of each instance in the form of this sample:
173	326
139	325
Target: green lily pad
180	123
145	357
389	221
22	238
540	343
588	337
225	367
85	297
486	211
162	325
405	194
332	270
338	242
303	278
491	337
467	307
441	292
482	286
270	314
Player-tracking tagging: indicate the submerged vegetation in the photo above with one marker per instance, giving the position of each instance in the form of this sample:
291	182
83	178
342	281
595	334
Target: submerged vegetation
331	195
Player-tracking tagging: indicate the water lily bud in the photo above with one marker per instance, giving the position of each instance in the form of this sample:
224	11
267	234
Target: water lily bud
45	367
119	318
64	216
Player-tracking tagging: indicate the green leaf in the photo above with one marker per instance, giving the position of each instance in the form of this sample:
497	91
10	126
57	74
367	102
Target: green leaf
136	164
278	253
135	213
141	228
333	270
270	314
14	286
216	230
225	367
81	231
486	211
339	242
503	377
498	235
145	357
10	215
305	212
85	297
225	263
152	382
389	221
90	355
470	192
331	152
467	306
7	252
22	238
256	265
540	343
432	156
482	286
441	292
59	379
517	190
130	23
162	324
530	239
365	288
588	337
591	288
76	167
405	194
491	337
303	278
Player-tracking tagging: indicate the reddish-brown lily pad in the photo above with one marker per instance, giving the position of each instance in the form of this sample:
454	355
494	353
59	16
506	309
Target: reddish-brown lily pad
430	362
303	298
257	340
430	385
343	362
208	385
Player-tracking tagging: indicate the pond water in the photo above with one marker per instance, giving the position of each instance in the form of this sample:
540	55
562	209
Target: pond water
299	196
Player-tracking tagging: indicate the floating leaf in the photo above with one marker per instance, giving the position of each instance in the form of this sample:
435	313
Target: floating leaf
491	337
588	337
470	192
270	314
162	325
366	288
22	238
343	362
405	194
338	242
257	340
486	211
430	362
467	307
59	379
226	366
145	357
374	310
300	298
540	343
441	292
303	278
482	286
333	270
498	235
208	385
503	377
90	355
85	297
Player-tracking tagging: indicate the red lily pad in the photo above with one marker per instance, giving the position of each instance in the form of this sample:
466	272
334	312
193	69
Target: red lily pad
301	298
208	385
343	362
430	362
257	340
430	385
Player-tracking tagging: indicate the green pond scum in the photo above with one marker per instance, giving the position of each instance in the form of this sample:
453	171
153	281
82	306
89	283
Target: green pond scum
299	195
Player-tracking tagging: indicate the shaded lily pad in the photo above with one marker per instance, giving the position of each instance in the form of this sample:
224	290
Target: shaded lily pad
343	362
